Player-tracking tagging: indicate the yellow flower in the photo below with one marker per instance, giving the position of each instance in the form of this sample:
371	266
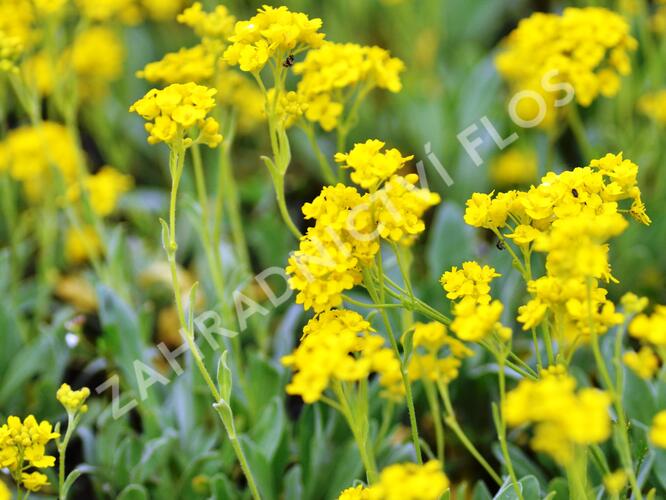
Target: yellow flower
586	48
563	417
271	32
336	345
370	166
615	481
658	430
73	401
5	494
104	190
82	244
471	280
634	304
475	321
22	446
643	363
104	10
408	481
218	24
195	64
515	166
653	105
176	115
399	208
34	481
95	73
355	493
650	328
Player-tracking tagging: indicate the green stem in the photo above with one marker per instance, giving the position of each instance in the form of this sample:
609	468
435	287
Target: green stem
578	130
452	422
502	426
325	166
433	402
176	163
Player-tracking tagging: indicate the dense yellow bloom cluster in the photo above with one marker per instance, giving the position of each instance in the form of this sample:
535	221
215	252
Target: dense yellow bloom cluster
29	153
209	26
653	105
370	165
104	189
437	355
331	252
650	328
585	47
23	446
177	112
564	418
658	430
643	363
405	481
346	234
582	205
334	71
95	73
272	32
514	167
340	345
195	64
476	317
73	401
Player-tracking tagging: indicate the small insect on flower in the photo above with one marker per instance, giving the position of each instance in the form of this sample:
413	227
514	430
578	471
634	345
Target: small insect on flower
500	245
574	192
289	61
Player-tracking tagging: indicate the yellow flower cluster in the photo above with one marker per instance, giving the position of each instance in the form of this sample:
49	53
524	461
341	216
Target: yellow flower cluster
209	26
104	189
650	328
176	112
95	73
470	282
370	165
272	32
514	167
5	494
10	50
346	235
82	244
476	317
340	345
331	252
582	205
128	12
195	64
585	47
73	401
643	363
405	481
29	153
23	446
335	71
653	105
565	419
430	341
658	430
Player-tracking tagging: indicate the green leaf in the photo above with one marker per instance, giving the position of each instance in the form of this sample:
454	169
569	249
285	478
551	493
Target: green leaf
268	431
529	487
221	488
224	377
451	241
260	467
481	492
293	483
521	463
24	365
133	492
638	398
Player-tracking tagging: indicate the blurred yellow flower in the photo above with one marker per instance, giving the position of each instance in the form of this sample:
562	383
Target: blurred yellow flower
514	167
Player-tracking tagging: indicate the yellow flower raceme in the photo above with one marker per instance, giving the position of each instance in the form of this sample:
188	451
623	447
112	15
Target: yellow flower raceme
5	494
195	64
215	25
643	363
176	112
126	11
437	355
94	74
399	208
406	481
471	280
331	252
104	189
29	153
615	481
337	345
73	401
563	417
658	430
585	47
370	165
332	74
650	328
271	32
23	447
